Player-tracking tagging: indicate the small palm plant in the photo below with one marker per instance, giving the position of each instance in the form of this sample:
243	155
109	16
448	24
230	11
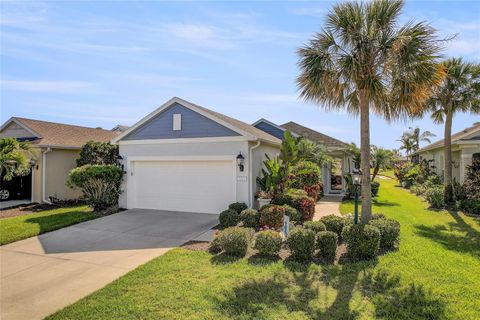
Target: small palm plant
362	61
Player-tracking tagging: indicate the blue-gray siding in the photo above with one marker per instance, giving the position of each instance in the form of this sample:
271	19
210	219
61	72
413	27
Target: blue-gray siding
194	125
274	131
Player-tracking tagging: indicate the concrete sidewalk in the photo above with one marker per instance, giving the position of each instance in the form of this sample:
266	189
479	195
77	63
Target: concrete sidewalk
326	206
43	274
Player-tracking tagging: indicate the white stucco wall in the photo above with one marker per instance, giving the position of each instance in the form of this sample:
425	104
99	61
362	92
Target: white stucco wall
185	149
258	156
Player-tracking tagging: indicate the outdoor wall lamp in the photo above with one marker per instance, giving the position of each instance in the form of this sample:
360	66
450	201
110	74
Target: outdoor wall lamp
240	161
119	160
33	163
357	181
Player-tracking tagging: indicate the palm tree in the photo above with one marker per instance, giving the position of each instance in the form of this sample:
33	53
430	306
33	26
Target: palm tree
13	158
362	62
418	136
407	143
355	153
381	159
311	151
459	92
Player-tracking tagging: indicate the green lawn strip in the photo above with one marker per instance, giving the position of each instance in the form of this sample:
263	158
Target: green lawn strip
439	250
22	227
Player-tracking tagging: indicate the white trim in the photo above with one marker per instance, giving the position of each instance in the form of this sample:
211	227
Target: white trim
183	140
32	170
250	173
12	119
44	175
131	170
189	106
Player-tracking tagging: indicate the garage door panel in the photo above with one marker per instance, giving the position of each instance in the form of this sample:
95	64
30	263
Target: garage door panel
192	186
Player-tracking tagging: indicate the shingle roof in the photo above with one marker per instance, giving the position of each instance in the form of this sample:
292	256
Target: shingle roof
64	135
456	137
260	134
314	136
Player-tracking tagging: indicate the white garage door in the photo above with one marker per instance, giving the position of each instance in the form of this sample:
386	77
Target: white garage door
190	186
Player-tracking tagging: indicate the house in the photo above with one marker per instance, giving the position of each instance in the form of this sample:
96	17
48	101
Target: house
332	174
55	147
184	157
465	147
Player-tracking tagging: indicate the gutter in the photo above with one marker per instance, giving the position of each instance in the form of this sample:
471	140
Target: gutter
44	169
250	172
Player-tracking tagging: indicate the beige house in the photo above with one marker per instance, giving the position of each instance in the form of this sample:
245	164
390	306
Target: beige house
55	147
465	146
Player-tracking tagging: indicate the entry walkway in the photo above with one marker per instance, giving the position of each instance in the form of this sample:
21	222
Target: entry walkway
326	206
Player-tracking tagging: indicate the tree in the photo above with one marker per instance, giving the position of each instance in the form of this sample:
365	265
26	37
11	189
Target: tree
411	139
313	152
94	152
458	92
354	151
14	156
381	159
362	62
406	143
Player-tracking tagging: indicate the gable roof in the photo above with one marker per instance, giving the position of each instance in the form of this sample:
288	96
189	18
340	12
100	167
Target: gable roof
60	135
464	136
244	129
314	136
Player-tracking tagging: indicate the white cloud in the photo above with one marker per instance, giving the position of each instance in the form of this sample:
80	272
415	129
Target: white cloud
315	12
200	35
45	86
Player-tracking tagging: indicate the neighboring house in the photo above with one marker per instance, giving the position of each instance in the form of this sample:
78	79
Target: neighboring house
55	147
465	146
183	157
332	175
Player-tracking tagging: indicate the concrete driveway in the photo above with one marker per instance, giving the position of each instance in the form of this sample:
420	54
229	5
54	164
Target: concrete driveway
43	274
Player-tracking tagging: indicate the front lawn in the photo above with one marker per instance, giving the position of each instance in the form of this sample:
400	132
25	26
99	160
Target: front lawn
434	275
25	226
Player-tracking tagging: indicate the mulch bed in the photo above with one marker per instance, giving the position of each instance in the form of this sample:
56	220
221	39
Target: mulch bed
340	257
25	209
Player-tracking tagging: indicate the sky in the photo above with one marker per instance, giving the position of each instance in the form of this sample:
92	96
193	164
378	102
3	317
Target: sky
103	63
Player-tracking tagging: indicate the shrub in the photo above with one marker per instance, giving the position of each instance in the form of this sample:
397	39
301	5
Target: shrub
235	241
272	216
250	218
301	243
472	180
298	199
363	241
315	226
293	213
334	223
238	206
101	153
305	175
435	197
470	206
215	246
268	243
100	184
229	218
378	216
306	206
326	244
375	186
389	232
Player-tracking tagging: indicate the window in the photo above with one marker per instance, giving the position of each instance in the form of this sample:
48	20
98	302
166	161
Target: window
177	122
476	156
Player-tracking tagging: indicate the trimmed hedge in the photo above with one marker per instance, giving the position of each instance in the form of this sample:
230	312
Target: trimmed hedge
363	241
293	213
272	216
326	243
389	232
237	206
301	243
228	218
299	200
250	218
315	226
235	241
435	197
334	223
268	243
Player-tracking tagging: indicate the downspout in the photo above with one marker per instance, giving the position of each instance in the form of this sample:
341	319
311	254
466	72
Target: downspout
44	169
250	173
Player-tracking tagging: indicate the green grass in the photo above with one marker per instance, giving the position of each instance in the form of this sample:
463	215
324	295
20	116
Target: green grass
435	274
22	227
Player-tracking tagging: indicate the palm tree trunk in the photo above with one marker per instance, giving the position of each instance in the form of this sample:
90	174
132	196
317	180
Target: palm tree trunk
448	158
365	157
